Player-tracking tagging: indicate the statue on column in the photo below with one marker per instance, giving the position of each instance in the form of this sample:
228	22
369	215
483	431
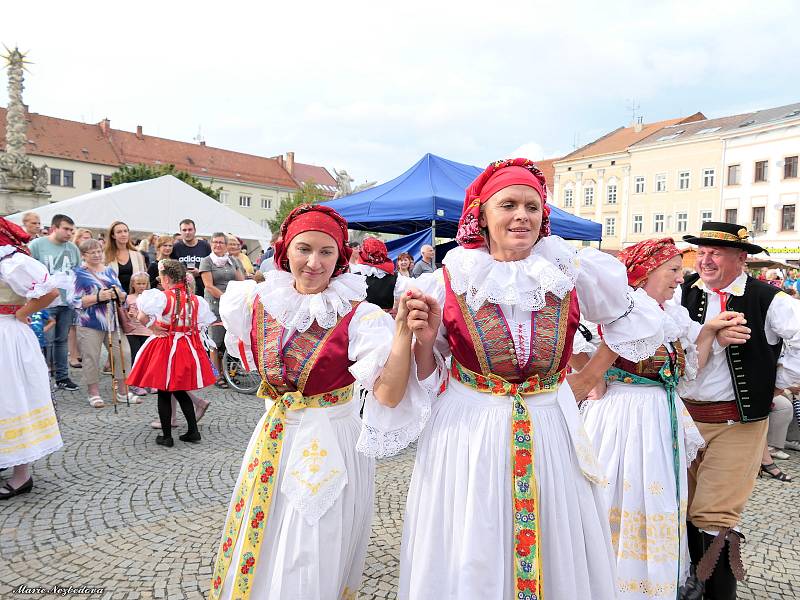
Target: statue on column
343	187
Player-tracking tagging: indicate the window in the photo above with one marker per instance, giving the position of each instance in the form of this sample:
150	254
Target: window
734	174
682	222
789	167
761	171
611	226
658	223
638	223
758	218
708	130
683	180
567	198
244	200
223	197
266	202
787	218
731	215
638	185
55	176
661	182
611	193
68	178
100	182
588	196
705	216
708	177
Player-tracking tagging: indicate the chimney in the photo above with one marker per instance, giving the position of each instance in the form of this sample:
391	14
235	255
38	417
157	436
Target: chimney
202	142
105	127
290	163
637	127
139	134
279	158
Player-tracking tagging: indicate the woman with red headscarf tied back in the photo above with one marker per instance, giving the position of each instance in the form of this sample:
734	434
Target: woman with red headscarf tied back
299	520
384	286
506	497
645	438
28	426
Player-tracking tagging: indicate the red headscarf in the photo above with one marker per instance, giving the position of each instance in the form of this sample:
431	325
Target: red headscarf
373	252
643	258
314	217
12	234
499	175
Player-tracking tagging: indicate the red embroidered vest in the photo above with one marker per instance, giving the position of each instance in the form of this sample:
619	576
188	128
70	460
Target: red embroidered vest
650	367
314	361
481	341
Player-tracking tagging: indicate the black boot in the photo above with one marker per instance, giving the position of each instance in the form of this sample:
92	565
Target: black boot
693	588
720	582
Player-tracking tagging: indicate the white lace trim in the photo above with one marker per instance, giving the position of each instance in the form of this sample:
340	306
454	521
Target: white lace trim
692	440
21	459
368	270
298	311
524	283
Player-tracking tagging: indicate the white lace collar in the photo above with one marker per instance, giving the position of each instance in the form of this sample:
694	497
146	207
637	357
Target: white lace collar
551	267
368	270
298	311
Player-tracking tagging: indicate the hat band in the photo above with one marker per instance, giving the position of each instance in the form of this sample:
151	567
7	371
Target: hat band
721	235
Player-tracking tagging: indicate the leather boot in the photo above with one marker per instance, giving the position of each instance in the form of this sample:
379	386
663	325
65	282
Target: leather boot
693	588
721	582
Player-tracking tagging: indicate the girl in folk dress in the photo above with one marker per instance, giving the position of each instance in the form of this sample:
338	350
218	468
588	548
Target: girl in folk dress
175	317
645	438
299	519
506	496
28	426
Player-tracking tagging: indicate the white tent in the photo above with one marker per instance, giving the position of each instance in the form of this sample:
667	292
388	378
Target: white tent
153	206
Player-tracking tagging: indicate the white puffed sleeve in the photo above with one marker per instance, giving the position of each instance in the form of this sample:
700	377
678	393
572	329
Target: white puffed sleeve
25	275
581	345
631	321
236	312
783	323
152	303
385	430
678	325
205	316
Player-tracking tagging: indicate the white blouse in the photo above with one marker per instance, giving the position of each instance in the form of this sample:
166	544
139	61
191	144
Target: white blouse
26	276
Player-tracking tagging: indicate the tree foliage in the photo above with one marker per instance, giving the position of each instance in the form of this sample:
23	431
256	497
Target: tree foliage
141	172
308	193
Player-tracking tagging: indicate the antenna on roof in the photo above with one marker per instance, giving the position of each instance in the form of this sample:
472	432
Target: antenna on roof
633	107
576	141
199	137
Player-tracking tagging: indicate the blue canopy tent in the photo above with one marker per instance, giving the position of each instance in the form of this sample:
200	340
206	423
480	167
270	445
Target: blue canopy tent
430	195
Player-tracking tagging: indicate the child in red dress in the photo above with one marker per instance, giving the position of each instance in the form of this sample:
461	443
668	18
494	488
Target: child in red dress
173	359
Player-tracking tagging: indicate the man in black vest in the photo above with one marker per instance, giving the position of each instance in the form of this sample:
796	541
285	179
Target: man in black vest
730	398
374	263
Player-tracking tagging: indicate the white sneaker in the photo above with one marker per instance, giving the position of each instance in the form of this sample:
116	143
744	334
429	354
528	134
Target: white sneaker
792	445
778	454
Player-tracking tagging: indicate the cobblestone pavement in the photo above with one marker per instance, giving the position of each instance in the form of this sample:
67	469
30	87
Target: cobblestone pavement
114	510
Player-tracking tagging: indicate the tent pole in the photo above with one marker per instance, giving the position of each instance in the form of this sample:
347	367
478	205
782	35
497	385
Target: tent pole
433	233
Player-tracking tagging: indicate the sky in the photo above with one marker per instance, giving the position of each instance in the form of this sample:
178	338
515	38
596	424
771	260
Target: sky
370	87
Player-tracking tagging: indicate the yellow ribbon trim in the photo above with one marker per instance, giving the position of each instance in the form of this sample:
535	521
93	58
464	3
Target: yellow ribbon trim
259	484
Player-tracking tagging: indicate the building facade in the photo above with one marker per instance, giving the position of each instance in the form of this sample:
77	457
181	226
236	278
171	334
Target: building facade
761	188
81	158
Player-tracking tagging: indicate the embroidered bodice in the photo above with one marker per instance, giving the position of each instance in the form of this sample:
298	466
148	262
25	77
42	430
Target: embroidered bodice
651	367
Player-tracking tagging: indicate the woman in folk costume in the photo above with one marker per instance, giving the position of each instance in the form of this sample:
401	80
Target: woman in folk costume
645	438
505	500
173	360
384	286
28	425
299	520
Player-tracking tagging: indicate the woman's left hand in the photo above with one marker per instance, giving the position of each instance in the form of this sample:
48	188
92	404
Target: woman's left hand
598	391
580	385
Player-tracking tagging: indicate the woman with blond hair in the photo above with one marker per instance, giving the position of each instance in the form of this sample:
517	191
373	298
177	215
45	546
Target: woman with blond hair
163	251
121	255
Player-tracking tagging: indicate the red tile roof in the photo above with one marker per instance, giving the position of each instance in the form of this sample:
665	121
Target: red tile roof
60	138
547	168
318	175
199	159
622	137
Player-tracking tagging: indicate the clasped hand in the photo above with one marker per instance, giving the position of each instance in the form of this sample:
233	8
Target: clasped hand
421	315
730	328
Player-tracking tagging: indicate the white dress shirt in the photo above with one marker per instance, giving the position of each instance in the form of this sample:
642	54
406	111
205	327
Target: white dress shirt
713	383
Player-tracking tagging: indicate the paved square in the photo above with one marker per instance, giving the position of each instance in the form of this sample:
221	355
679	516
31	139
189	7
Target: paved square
114	510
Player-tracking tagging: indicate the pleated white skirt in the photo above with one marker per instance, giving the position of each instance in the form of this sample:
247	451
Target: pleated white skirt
299	561
28	426
630	430
458	530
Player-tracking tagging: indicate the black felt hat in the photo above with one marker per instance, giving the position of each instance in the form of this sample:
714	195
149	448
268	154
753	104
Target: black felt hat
731	235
